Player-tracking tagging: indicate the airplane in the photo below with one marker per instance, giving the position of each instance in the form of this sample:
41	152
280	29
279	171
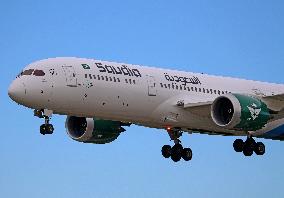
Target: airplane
101	98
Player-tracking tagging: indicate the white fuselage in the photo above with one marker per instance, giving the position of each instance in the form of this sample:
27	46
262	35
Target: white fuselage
142	95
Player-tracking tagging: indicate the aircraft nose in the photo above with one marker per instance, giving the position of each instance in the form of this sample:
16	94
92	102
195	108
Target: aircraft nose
17	91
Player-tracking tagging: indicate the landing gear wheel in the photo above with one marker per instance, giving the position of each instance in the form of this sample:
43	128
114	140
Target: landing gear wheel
238	145
177	152
187	154
249	146
259	148
49	128
43	129
248	150
46	129
166	151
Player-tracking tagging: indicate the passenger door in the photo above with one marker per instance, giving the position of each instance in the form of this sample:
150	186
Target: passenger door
71	79
152	90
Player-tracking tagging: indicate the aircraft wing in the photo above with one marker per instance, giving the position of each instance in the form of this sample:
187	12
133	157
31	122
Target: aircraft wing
276	103
279	97
199	108
203	108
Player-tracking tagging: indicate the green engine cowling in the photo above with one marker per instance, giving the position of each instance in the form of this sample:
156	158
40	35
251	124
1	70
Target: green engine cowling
240	112
92	130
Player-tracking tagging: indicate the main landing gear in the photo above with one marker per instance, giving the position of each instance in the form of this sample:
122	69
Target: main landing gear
177	151
249	146
45	128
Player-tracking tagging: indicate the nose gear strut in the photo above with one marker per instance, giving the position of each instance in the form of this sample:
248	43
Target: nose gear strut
45	128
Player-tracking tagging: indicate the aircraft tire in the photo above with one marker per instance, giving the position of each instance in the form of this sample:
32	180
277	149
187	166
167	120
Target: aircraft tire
166	151
248	150
46	129
177	152
259	148
187	154
49	128
238	145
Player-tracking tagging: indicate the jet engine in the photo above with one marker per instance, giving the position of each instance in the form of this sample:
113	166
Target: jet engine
92	130
240	112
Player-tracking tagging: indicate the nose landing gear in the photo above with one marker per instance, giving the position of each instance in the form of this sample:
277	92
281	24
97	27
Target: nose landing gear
45	128
177	152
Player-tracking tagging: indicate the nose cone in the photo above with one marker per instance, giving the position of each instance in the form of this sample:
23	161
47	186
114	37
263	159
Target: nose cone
17	91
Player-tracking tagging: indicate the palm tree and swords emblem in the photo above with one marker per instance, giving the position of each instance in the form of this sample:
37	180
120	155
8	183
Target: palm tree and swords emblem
254	111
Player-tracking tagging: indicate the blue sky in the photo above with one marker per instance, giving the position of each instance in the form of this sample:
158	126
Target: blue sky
231	38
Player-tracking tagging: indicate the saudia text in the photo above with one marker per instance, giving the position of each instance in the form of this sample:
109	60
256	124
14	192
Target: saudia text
123	69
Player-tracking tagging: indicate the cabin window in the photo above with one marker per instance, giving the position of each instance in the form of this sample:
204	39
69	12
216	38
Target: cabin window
169	85
99	77
215	92
110	78
176	86
114	79
165	85
161	85
188	88
106	78
134	82
126	80
196	89
94	76
199	89
118	80
219	92
90	75
102	78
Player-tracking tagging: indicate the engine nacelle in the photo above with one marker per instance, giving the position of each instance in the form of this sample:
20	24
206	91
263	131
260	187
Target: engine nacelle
92	130
240	112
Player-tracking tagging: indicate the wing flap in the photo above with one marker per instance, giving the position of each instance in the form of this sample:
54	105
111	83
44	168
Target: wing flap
279	97
275	102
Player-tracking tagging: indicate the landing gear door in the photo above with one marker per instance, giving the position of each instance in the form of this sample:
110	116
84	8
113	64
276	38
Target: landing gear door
71	79
152	90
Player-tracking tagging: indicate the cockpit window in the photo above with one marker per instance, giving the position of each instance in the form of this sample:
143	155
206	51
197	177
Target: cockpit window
39	73
27	72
